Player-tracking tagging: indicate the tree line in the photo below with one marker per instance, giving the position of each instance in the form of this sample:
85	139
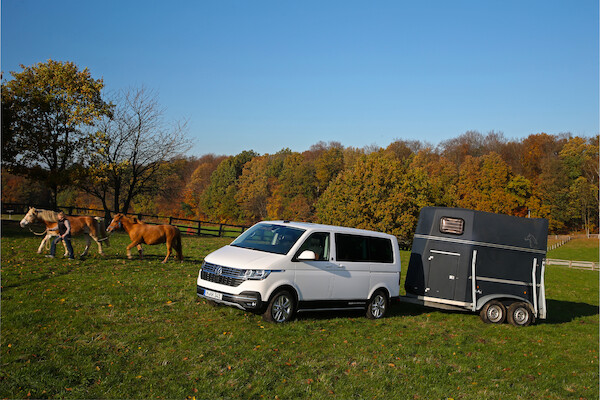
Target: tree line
123	156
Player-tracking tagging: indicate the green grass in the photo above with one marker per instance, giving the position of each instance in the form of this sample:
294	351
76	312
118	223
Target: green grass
578	250
116	328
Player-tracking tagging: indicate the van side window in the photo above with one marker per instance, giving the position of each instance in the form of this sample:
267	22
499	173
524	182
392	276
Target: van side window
363	248
318	242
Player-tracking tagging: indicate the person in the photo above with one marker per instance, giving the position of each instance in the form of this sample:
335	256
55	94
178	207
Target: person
63	227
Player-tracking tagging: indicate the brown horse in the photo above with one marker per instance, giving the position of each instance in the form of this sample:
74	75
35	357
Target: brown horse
91	227
140	232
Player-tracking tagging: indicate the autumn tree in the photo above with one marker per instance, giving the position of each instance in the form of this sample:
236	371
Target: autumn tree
295	192
45	109
580	160
486	183
126	152
219	198
442	176
379	193
199	181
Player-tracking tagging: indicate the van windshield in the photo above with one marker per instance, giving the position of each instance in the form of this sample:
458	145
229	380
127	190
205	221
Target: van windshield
270	238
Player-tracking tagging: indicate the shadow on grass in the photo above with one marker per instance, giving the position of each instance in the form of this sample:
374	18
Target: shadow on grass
560	311
53	272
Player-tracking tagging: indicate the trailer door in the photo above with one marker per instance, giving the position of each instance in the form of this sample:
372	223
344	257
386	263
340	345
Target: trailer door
443	269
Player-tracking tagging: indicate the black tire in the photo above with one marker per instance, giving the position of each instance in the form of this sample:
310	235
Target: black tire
281	307
493	312
520	314
377	305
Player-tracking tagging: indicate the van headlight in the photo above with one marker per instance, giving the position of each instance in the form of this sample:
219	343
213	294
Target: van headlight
256	274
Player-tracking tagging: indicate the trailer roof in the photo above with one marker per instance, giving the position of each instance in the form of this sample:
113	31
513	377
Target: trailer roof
484	228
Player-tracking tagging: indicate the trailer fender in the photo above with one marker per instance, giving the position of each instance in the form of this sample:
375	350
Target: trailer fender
501	297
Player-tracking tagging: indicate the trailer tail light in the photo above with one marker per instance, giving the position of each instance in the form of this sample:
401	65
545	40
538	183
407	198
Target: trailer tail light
455	226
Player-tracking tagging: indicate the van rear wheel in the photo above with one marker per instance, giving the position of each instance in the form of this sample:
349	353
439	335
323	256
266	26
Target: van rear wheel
377	305
281	307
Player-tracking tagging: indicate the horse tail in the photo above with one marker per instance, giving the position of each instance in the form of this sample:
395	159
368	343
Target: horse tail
177	244
101	231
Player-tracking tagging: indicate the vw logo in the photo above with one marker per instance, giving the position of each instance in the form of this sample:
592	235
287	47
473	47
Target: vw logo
219	270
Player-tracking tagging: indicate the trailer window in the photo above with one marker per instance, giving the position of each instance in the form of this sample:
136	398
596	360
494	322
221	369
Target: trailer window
455	226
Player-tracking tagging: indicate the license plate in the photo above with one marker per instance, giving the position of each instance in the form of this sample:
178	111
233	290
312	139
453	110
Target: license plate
213	295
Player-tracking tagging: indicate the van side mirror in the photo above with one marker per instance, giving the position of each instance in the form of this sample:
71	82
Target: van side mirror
307	255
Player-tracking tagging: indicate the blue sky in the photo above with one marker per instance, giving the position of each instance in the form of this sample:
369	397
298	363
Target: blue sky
266	75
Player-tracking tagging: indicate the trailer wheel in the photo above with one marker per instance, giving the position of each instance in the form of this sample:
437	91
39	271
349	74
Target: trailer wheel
377	305
520	314
281	307
493	312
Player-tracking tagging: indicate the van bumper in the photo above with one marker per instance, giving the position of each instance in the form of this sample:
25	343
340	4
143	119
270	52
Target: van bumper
250	301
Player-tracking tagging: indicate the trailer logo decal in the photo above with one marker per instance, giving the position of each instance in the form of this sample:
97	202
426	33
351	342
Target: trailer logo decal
532	240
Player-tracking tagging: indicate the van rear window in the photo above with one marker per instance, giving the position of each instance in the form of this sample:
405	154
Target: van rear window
359	248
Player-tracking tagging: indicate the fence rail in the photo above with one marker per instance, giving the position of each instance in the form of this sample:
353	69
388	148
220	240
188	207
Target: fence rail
187	226
589	265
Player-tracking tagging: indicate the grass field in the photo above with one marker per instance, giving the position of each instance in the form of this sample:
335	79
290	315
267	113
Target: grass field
116	328
577	249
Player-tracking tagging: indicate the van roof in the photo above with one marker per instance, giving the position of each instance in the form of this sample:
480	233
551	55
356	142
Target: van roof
314	227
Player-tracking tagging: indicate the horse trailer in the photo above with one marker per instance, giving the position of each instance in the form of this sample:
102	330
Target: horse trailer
480	262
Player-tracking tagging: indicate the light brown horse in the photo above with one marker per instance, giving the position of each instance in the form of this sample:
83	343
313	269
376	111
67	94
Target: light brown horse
91	227
142	233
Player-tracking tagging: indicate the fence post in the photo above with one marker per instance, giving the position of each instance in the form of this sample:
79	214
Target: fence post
170	220
220	230
199	227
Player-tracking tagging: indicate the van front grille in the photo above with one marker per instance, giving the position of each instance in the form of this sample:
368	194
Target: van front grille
222	275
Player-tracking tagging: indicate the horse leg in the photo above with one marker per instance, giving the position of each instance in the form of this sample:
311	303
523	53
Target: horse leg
168	251
44	240
99	243
87	245
131	246
65	246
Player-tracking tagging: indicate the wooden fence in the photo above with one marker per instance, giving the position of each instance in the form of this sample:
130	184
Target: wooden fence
589	265
560	243
186	226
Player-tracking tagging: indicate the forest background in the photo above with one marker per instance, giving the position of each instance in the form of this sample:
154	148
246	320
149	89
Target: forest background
120	155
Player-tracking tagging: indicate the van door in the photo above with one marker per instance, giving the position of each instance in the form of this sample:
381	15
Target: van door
443	269
352	267
314	279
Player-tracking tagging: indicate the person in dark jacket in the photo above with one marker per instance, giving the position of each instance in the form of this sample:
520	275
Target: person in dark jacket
64	233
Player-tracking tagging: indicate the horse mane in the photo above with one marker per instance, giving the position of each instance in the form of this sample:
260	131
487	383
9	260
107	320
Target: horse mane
47	215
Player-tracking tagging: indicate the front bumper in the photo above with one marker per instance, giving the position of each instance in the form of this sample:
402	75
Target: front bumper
250	301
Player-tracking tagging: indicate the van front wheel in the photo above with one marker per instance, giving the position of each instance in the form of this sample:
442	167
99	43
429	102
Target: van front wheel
281	307
377	306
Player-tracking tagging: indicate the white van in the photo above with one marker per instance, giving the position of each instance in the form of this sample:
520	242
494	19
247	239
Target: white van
280	267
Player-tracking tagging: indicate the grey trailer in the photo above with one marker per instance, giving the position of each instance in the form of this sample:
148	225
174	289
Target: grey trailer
481	262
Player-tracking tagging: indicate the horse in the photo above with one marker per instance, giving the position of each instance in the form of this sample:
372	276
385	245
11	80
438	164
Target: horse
91	227
140	232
